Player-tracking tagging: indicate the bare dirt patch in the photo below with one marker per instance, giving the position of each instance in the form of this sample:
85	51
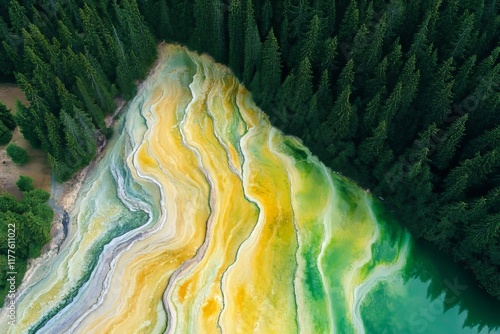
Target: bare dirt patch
37	168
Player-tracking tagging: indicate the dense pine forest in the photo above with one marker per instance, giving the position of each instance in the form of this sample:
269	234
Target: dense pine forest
402	97
25	224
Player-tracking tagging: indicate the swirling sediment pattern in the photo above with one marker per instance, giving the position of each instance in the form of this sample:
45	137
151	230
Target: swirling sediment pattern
203	218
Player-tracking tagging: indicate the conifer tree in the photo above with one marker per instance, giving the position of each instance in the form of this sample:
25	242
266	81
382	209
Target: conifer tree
359	46
373	52
94	111
270	66
462	78
284	35
252	44
329	55
5	134
74	142
344	152
373	147
378	81
395	59
40	44
483	166
125	79
17	154
208	32
343	118
346	77
303	89
62	172
486	141
17	15
69	67
410	78
6	63
92	28
236	36
366	12
27	120
463	37
419	46
165	29
350	22
25	183
326	10
448	20
400	106
313	118
67	100
11	57
311	40
438	93
217	29
324	96
395	18
486	231
53	143
417	172
372	114
65	36
393	103
266	18
7	118
97	85
447	145
300	12
286	92
456	181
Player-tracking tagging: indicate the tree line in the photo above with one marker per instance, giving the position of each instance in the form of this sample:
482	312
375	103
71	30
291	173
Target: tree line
72	59
7	124
401	97
24	230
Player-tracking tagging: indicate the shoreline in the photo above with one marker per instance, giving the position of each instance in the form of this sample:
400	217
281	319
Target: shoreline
62	201
63	196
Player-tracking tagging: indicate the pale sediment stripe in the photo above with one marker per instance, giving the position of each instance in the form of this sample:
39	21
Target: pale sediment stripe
381	272
244	230
172	315
255	294
328	223
307	310
101	276
300	308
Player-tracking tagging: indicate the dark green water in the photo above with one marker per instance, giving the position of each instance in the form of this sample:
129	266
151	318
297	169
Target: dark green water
432	295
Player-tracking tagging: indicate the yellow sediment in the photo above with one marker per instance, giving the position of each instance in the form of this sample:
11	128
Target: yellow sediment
261	285
148	265
247	231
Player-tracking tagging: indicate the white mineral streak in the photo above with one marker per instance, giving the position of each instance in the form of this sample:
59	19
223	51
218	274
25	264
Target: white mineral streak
202	217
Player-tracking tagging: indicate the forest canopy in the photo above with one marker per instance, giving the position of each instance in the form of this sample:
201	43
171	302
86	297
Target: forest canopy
402	97
30	221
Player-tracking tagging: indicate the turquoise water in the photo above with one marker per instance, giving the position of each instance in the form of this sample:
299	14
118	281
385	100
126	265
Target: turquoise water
432	294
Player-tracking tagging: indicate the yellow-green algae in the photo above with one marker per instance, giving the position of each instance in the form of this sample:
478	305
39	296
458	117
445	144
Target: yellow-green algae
203	218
